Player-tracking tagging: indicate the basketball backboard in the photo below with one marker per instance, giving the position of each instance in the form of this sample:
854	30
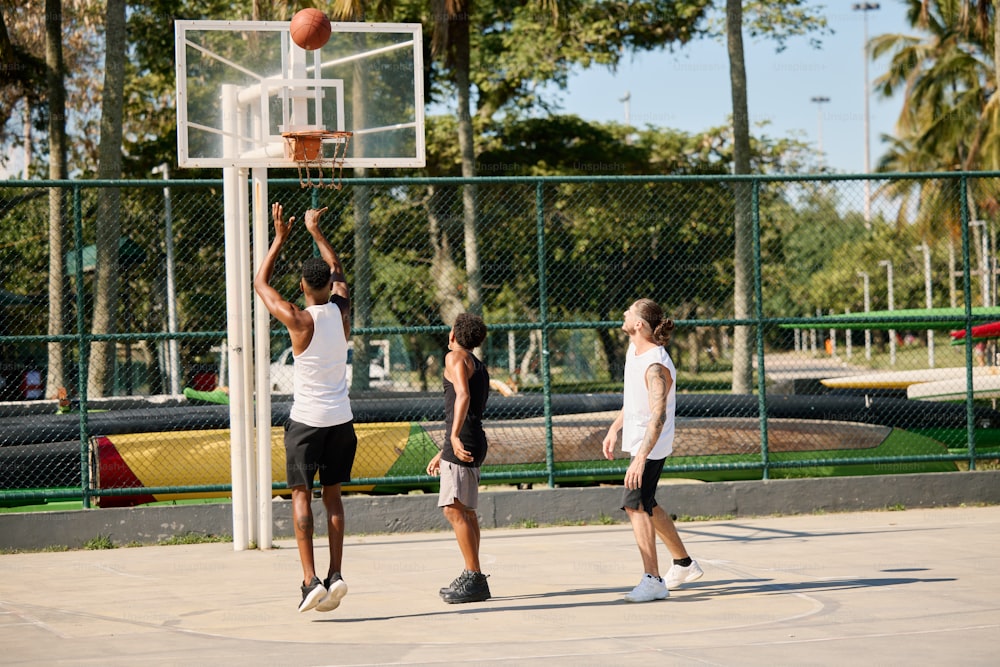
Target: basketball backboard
241	84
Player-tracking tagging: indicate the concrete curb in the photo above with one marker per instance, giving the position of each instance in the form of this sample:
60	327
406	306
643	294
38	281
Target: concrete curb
498	509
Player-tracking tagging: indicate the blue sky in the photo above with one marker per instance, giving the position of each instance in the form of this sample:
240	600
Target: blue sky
689	89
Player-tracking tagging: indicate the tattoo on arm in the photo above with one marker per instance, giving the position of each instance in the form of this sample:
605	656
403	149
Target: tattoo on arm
657	385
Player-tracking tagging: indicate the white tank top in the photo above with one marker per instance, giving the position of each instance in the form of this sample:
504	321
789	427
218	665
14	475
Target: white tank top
635	410
320	397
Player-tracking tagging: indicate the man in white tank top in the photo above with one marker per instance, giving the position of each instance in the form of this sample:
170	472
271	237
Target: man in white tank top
319	435
646	423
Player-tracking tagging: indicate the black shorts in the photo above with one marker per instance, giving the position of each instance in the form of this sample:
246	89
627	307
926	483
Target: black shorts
645	496
328	450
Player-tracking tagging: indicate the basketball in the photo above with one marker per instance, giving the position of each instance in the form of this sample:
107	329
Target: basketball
310	28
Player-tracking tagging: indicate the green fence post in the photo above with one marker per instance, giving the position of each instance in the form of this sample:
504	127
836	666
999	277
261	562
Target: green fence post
543	307
81	332
758	311
970	417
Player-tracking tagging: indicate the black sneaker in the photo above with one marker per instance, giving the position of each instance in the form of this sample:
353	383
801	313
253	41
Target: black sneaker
312	594
472	589
455	584
336	590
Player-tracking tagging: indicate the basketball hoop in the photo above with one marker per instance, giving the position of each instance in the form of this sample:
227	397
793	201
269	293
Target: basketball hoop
305	147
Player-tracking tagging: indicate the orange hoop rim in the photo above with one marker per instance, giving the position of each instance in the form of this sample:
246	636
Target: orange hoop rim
304	147
322	134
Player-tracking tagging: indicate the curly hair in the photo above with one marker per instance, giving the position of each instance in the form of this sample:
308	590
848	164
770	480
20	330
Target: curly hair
662	327
316	272
470	331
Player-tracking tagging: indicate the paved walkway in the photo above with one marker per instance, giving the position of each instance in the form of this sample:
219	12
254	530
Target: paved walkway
909	587
794	365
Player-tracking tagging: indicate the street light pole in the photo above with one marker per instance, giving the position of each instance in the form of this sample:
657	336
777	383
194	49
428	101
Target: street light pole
628	115
865	279
173	354
926	250
820	101
892	306
864	8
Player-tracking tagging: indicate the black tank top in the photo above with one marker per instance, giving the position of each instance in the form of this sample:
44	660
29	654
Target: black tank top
472	434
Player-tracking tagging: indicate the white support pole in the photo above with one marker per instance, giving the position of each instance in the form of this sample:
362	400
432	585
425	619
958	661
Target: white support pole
262	355
928	298
887	263
833	339
847	338
246	280
234	329
866	286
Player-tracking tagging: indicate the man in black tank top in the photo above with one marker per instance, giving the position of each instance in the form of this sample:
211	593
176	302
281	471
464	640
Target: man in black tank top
466	389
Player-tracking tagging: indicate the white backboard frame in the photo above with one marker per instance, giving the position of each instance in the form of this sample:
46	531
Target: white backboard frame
242	132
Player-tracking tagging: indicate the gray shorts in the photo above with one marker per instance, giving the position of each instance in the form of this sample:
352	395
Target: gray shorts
459	483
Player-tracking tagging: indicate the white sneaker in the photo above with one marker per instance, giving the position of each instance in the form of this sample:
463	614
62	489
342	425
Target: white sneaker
336	590
650	588
678	575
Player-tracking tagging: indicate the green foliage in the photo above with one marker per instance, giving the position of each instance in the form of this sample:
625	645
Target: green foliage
99	542
947	76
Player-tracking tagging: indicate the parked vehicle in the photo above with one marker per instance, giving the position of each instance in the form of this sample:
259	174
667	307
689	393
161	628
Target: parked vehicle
283	370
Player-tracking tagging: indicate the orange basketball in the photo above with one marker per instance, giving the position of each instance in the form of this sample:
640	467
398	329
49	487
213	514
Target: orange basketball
310	28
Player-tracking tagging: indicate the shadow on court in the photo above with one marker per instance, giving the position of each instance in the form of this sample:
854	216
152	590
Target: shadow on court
917	586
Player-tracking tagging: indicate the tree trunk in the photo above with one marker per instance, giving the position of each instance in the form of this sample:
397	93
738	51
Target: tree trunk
444	273
459	32
694	350
742	221
56	84
614	352
534	344
109	199
361	291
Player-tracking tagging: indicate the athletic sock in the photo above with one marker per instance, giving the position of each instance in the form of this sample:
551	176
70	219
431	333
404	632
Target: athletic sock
683	562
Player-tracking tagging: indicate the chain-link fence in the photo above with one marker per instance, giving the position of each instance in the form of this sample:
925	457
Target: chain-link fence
113	311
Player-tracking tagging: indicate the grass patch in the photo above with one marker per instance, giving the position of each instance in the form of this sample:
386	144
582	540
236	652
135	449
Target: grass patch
571	522
685	518
99	542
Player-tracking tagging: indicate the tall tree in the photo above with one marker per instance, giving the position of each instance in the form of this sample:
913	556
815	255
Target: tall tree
948	78
355	10
56	87
778	19
109	209
950	116
451	43
742	222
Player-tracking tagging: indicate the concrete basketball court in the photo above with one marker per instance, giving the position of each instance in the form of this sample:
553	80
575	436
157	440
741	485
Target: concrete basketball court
890	587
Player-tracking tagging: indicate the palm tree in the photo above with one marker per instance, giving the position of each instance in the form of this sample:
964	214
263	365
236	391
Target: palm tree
949	81
949	119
